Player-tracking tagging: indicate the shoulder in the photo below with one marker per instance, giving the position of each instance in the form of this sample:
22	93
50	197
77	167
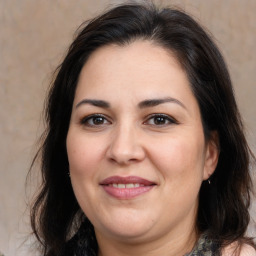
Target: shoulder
233	249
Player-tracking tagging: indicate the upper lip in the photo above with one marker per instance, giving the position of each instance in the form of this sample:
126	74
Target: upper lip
126	180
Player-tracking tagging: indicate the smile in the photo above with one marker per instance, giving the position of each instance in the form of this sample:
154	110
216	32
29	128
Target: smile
130	185
126	187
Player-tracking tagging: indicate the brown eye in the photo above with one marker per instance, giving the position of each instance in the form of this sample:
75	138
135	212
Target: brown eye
160	120
95	120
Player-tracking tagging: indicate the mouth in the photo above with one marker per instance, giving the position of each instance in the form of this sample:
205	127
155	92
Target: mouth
126	187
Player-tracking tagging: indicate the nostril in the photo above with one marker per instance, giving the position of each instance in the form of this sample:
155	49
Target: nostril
133	160
123	161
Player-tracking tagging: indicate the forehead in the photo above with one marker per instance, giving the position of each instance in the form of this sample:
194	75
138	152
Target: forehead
141	64
124	76
141	54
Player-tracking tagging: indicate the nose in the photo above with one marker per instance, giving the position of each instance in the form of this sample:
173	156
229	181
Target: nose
125	146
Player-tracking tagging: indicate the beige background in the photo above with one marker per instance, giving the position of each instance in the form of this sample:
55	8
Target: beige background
33	37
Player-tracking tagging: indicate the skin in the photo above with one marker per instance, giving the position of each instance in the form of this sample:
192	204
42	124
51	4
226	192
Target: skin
127	140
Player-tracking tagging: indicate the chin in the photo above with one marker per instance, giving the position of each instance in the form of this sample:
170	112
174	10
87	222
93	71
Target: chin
131	235
126	228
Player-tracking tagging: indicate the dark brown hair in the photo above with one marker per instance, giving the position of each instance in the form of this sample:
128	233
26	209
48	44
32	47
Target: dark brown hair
223	205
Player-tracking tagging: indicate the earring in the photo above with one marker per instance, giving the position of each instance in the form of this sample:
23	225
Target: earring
209	181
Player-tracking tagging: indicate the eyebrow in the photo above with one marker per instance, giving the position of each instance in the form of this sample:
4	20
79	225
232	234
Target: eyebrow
96	103
156	102
143	104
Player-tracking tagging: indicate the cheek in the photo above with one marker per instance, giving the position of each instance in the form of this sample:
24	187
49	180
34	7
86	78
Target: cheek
179	157
83	155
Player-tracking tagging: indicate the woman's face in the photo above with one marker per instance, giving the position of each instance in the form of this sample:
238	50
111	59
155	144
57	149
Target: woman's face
135	144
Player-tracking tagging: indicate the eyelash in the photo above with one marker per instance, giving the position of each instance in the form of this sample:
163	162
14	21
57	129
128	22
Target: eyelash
85	121
164	117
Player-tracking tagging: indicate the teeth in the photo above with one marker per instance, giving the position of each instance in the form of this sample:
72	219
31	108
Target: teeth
130	185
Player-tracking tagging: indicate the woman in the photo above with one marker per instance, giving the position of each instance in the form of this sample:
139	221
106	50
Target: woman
144	153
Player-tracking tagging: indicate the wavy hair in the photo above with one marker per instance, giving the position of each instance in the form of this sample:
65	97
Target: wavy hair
223	205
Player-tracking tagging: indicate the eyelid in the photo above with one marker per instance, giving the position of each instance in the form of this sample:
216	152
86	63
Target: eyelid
171	119
85	119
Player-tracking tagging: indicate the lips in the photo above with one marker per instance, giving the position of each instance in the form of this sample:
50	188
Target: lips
126	187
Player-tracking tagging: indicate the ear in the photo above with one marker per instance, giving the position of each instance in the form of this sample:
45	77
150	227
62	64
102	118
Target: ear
212	155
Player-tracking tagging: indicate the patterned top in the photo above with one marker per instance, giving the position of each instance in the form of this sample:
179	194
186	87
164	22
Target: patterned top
205	247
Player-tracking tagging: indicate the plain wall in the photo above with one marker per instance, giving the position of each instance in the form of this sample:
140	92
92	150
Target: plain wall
33	38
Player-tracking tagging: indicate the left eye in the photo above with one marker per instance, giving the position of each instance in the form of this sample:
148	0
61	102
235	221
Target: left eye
160	120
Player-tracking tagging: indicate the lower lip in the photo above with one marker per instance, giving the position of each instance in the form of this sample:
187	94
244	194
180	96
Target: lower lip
126	193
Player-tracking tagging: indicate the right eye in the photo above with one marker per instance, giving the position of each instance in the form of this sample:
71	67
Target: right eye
95	120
